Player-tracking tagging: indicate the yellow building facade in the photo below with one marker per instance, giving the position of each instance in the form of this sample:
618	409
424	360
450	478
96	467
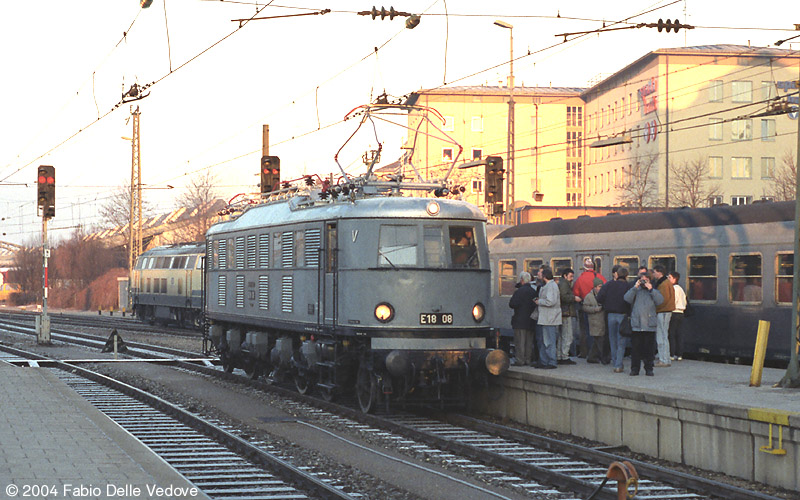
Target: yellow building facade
548	140
706	112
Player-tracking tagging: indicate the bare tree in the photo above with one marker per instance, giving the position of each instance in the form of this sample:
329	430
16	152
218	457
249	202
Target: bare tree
27	272
198	199
784	182
689	184
639	182
117	210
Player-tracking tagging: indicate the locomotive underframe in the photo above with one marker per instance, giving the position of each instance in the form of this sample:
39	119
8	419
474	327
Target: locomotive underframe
340	363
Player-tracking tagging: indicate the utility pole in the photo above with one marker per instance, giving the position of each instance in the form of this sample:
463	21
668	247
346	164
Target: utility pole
135	223
510	161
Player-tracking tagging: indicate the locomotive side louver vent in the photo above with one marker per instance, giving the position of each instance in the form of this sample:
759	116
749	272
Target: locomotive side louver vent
287	286
223	254
240	291
251	251
287	250
263	292
222	290
313	240
209	254
240	252
263	251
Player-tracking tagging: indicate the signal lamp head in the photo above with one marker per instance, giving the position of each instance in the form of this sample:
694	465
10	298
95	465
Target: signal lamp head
384	312
433	208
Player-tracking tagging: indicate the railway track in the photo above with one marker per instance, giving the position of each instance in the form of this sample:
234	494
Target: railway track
221	464
499	454
129	323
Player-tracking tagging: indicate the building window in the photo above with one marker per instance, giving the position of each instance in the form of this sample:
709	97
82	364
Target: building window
767	198
715	200
477	124
573	199
574	175
447	154
741	200
715	129
575	144
574	116
741	167
742	91
477	186
623	107
715	167
768	130
767	91
449	123
715	91
742	130
476	154
767	167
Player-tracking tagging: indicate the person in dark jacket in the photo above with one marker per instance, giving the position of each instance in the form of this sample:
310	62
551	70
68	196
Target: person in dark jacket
522	302
644	298
612	297
568	316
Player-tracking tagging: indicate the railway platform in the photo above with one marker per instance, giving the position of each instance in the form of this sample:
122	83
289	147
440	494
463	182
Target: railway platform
56	445
698	413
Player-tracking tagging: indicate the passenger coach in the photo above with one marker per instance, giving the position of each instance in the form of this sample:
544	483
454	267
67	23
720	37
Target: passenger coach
735	265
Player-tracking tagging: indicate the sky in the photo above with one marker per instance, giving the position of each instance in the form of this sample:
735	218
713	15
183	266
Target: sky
213	82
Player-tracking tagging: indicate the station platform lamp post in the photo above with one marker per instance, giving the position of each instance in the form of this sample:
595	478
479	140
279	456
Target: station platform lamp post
510	149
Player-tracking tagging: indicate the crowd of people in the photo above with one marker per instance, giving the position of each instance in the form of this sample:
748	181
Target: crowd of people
591	318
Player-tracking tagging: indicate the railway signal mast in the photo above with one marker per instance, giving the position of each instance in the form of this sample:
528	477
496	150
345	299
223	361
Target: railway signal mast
46	201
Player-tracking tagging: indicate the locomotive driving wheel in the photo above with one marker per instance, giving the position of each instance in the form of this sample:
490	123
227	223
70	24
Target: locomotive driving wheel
303	383
366	388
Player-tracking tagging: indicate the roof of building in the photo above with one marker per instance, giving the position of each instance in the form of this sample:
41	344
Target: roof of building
699	50
502	91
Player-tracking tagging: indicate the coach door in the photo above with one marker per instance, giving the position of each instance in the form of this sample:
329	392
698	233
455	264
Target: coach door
329	277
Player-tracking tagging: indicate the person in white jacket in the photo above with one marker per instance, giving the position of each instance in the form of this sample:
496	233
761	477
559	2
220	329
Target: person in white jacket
549	303
675	338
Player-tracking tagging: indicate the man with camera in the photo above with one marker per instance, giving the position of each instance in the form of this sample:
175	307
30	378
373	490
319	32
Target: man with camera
644	298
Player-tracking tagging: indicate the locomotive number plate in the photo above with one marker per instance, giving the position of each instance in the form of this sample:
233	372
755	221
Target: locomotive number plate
436	319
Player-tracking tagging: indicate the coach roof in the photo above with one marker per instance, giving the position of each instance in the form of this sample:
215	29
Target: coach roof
677	218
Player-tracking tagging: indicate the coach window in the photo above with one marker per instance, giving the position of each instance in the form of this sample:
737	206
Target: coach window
180	286
190	262
629	262
532	265
433	247
784	271
745	278
148	285
508	276
702	279
462	246
668	261
558	264
397	246
163	285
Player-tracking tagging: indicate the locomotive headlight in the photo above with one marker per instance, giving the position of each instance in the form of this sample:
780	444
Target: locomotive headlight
478	312
384	312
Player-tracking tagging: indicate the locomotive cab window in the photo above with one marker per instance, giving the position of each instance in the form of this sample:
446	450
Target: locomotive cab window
463	250
702	279
745	278
784	272
433	247
508	276
397	246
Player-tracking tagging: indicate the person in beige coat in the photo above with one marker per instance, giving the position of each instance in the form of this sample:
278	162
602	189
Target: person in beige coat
596	321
